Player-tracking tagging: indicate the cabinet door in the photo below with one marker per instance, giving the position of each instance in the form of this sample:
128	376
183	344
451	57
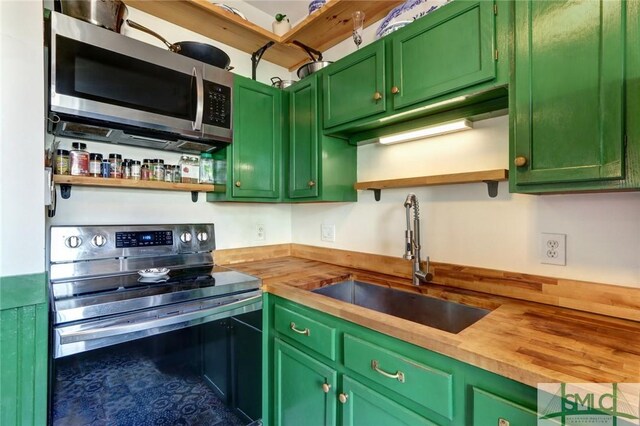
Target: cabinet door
303	128
350	86
492	410
568	103
364	406
257	140
438	56
299	397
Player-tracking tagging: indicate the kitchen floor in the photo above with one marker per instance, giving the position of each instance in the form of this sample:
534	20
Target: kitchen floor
130	389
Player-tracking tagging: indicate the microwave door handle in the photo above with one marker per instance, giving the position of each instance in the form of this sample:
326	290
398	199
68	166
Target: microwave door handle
197	123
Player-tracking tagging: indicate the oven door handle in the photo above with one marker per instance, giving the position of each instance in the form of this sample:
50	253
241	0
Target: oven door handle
197	123
70	336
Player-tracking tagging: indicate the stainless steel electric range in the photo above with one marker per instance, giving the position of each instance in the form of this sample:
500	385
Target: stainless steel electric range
118	338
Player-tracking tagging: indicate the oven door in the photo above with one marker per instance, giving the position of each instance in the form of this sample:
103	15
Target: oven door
81	337
100	75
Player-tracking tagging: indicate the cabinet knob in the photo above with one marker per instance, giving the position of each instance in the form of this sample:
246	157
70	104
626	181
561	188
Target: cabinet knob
238	184
326	387
343	398
520	161
503	422
312	183
395	90
377	96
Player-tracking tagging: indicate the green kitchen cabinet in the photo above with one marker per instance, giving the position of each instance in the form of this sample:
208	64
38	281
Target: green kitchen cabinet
321	168
374	379
453	58
24	337
299	397
574	63
254	158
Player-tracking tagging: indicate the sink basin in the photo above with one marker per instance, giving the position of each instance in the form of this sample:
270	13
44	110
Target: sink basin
441	314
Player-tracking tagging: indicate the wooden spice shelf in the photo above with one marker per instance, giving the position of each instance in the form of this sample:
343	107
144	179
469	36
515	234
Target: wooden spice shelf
66	181
490	177
321	30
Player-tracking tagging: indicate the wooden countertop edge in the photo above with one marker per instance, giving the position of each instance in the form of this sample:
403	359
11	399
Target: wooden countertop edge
444	343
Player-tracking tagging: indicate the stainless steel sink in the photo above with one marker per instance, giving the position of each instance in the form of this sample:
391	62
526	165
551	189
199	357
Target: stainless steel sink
441	314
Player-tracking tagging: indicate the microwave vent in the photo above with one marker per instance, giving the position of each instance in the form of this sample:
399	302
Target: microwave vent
79	130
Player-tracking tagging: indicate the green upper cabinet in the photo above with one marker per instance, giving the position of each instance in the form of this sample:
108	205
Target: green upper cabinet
354	86
321	168
444	55
254	157
303	389
455	58
568	95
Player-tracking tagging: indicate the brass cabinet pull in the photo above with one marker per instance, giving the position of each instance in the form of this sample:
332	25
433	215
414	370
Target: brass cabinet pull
238	184
377	96
312	183
395	90
399	375
306	331
520	161
503	422
343	398
326	387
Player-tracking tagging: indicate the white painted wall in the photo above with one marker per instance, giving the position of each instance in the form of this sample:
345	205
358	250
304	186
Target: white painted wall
462	225
21	135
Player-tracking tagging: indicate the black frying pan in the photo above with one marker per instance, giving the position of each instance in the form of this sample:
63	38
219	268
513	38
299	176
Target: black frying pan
200	51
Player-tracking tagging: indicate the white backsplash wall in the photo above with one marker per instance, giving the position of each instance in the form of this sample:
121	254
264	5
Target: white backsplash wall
462	225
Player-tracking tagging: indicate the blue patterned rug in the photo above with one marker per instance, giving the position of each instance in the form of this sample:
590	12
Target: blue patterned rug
130	390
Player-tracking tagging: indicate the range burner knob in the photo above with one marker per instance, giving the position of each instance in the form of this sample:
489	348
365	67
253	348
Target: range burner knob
185	237
99	240
73	241
202	236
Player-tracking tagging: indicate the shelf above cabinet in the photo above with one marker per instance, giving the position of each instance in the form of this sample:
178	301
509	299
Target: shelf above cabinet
66	182
321	30
490	177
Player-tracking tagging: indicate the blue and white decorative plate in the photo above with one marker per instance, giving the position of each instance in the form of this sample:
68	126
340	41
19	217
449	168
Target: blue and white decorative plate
315	5
406	13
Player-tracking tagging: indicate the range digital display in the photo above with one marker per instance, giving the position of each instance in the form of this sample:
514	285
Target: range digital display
144	239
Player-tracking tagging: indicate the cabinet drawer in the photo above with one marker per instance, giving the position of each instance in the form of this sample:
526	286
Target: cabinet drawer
427	386
492	410
306	331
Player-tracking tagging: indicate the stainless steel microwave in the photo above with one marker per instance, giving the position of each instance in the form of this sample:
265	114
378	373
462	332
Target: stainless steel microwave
107	87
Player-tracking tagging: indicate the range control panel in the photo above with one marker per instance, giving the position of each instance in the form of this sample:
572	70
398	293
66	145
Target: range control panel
144	239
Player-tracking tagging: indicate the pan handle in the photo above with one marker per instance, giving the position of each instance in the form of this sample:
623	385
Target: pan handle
197	124
144	29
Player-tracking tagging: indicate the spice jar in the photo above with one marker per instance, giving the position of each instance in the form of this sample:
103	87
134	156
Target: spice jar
158	170
116	166
168	173
186	169
126	168
177	174
95	165
145	172
135	170
106	169
61	166
79	159
220	172
206	168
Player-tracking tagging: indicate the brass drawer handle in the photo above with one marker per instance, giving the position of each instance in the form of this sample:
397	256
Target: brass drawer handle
306	331
326	387
399	375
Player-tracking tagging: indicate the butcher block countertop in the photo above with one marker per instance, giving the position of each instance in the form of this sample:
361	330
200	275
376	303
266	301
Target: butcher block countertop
528	342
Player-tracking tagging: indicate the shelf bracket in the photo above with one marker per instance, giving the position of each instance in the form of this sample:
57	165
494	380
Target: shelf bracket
194	196
65	191
376	193
492	187
256	56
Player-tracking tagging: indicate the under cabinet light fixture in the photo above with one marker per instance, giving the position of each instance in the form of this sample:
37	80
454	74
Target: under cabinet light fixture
427	132
456	100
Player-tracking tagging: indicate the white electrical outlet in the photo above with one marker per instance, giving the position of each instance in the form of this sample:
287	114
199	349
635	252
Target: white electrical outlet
260	232
328	233
553	249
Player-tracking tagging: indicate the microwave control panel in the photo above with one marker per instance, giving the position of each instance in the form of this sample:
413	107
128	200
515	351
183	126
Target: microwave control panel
217	105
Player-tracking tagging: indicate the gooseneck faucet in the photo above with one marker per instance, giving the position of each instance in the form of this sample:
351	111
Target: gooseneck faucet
412	241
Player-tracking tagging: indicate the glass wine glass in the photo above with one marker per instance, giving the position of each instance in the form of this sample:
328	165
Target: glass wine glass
358	25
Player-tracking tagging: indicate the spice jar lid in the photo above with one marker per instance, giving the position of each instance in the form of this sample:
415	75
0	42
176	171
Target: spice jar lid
136	162
95	156
115	156
206	155
160	161
62	152
78	145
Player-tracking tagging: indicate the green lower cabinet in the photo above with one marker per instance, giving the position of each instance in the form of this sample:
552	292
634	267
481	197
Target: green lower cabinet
23	350
374	380
299	397
363	406
492	410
